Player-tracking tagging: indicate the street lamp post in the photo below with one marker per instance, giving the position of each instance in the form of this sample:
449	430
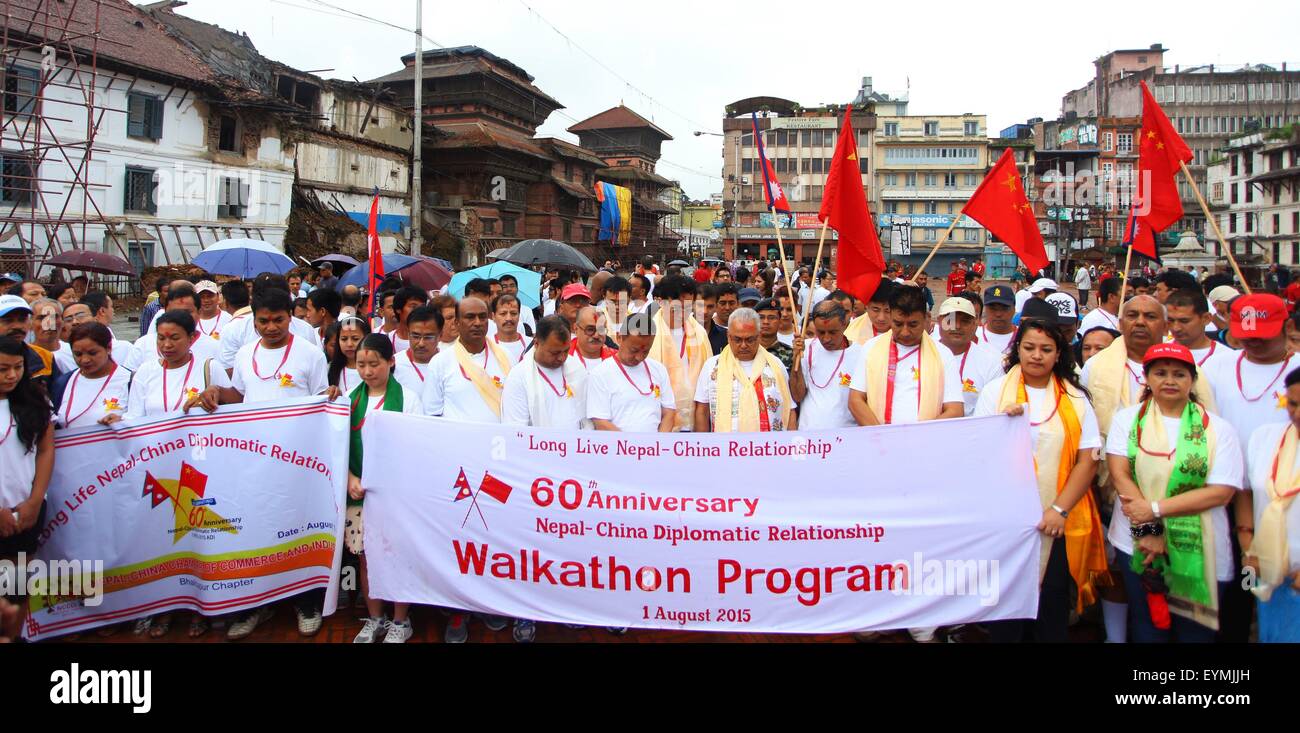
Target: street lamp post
735	189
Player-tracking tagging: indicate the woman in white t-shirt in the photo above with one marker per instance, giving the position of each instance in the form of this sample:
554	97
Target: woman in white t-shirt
97	392
377	390
1174	467
343	374
1041	381
172	382
26	453
1271	541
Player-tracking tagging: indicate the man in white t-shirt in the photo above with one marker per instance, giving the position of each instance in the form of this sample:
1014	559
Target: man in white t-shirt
545	390
976	365
758	373
821	291
424	329
589	346
1106	314
999	310
1188	314
527	322
629	391
1083	281
465	380
821	384
241	331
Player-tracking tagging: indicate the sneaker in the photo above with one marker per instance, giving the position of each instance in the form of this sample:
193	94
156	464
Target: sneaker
309	622
245	625
371	630
399	633
525	631
494	623
457	629
617	630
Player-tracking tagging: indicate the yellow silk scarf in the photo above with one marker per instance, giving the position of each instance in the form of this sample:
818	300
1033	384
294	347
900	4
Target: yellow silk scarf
730	372
488	388
1270	545
1058	445
931	365
682	377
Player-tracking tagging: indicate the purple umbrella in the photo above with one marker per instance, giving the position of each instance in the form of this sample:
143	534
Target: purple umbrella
87	261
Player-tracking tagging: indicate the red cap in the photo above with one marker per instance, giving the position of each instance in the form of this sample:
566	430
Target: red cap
573	290
1174	351
1257	316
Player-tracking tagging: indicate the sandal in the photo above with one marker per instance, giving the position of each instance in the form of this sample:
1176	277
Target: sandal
142	625
198	626
162	623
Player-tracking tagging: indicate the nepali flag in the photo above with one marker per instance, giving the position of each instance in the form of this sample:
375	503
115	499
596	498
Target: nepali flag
376	256
776	200
1156	203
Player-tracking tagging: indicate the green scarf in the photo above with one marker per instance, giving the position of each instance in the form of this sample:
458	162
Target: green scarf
1184	566
360	402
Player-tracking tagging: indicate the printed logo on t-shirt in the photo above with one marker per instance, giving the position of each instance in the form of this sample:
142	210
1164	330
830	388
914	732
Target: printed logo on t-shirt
916	374
496	382
968	385
1281	400
111	404
845	379
286	380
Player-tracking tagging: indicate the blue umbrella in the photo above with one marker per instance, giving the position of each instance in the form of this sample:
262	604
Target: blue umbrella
242	258
392	263
530	283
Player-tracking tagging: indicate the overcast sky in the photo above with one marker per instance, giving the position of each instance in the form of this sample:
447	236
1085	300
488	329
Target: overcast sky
679	62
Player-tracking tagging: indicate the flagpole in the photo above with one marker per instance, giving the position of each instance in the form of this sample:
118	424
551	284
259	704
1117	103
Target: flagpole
935	251
1227	247
1123	276
785	269
803	328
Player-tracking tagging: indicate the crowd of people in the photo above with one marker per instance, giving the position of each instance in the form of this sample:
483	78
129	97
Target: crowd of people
1164	421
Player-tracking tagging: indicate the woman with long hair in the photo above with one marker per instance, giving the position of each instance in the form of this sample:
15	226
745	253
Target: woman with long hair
343	377
1175	466
1041	382
26	452
97	392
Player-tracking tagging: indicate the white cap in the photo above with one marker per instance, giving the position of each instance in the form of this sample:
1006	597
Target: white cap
1042	284
11	303
957	305
1223	294
206	286
1066	305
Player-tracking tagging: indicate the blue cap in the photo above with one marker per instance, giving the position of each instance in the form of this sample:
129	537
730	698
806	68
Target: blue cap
748	294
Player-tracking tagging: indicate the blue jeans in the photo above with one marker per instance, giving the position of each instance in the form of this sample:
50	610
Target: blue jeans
1141	630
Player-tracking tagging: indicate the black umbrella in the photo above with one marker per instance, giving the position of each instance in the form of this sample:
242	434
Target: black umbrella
547	252
679	263
337	259
87	261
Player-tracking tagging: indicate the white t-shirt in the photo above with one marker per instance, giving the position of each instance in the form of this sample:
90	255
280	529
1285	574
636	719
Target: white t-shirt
633	409
1022	297
998	342
204	347
1098	318
786	338
1040	408
1264	388
86	401
212	327
63	357
1209	358
449	393
588	365
525	318
1226	469
706	391
411	404
908	377
409	372
241	331
125	354
975	369
827	375
515	349
304	371
17	466
1260	453
559	400
151	395
349	379
399	343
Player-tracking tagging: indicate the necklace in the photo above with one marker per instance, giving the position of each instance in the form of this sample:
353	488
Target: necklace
1241	388
812	378
184	381
276	374
561	393
414	366
68	418
649	391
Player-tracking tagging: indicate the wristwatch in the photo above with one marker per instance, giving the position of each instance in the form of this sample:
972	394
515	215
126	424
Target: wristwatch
1155	509
1060	511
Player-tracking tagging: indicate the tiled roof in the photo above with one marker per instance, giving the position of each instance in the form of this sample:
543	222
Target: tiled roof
480	135
616	118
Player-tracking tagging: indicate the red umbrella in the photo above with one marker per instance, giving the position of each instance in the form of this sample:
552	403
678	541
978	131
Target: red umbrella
87	261
425	274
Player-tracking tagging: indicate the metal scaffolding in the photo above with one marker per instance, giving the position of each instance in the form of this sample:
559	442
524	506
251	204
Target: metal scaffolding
49	45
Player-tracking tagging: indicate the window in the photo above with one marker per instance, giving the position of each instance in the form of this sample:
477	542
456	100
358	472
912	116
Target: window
15	179
22	85
891	179
816	165
144	116
828	138
1110	229
1232	160
891	207
971	129
588	234
1217	192
1295	223
568	171
805	166
806	137
140	187
747	165
1125	146
862	139
747	140
1277	226
931	207
780	137
950	180
931	235
970	235
489	226
229	135
508	226
1249	160
779	164
232	199
566	228
1232	223
1234	193
891	129
1295	253
862	164
1108	141
931	180
1277	251
1250	192
909	180
931	129
1250	223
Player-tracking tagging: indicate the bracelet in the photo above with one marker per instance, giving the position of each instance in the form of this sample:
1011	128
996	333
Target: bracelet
1155	509
1150	529
1060	511
1247	530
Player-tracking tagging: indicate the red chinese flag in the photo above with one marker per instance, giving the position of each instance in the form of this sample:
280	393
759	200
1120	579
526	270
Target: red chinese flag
859	262
376	255
495	487
192	479
1156	203
1001	206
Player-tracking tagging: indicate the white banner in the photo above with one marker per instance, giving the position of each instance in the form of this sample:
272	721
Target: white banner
822	531
216	513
